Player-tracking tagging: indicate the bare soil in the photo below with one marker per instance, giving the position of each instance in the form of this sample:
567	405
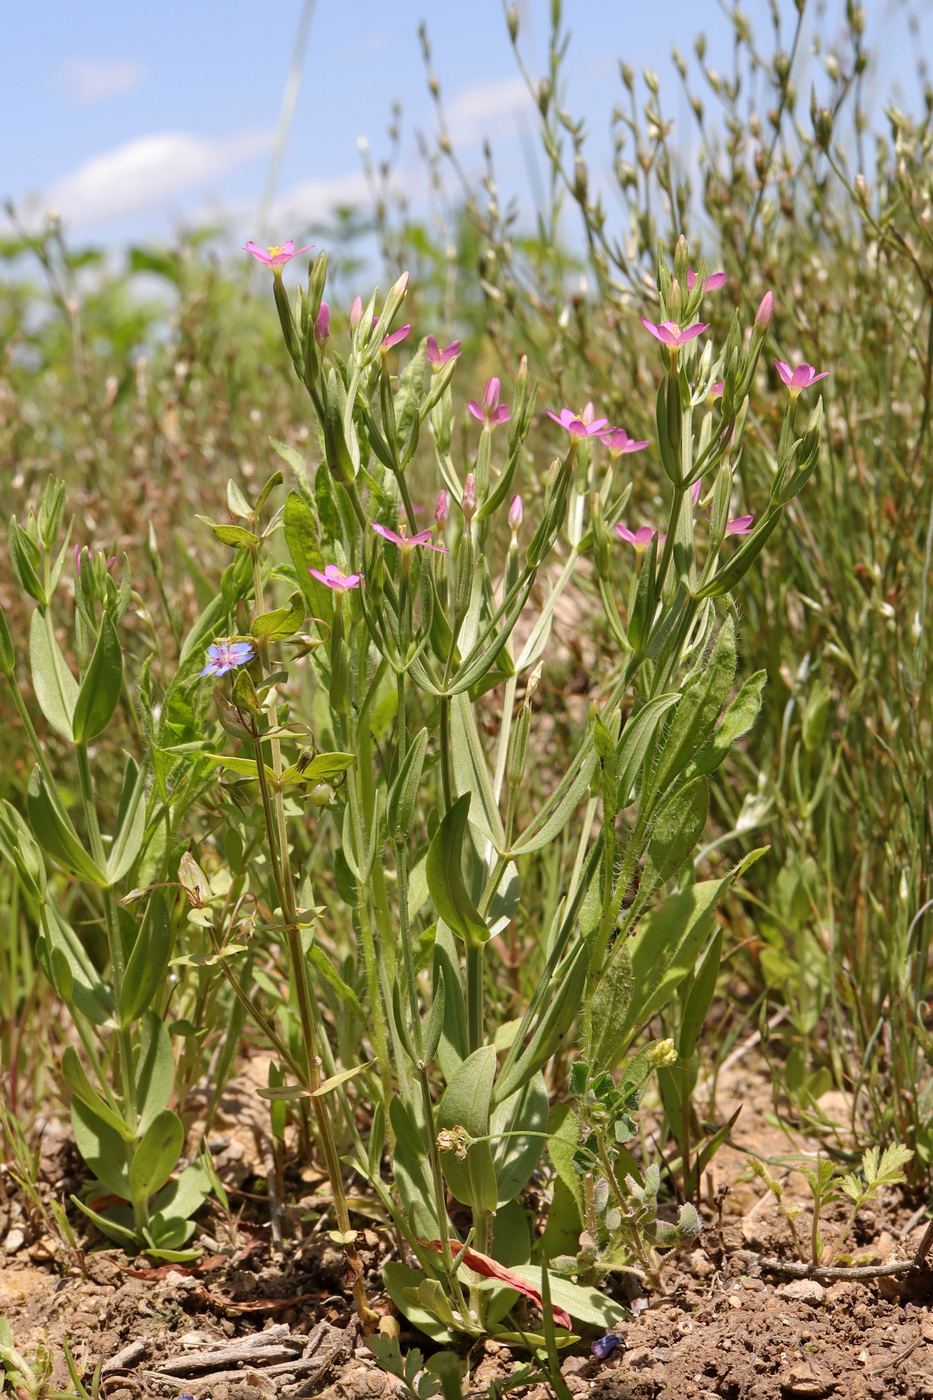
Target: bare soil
260	1319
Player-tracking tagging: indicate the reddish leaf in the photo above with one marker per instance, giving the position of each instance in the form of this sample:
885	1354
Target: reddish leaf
482	1264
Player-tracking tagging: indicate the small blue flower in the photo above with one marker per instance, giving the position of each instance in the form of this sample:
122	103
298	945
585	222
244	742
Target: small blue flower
604	1345
224	656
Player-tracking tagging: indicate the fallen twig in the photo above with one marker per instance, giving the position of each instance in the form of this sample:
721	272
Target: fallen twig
830	1273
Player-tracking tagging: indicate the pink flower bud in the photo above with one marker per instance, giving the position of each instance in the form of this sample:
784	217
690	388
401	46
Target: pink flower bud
322	324
515	513
440	510
356	311
764	312
468	504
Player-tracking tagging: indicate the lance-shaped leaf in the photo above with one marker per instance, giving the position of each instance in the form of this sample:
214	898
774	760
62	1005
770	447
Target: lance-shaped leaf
444	869
101	686
55	687
403	797
148	961
131	823
75	1076
52	826
553	1023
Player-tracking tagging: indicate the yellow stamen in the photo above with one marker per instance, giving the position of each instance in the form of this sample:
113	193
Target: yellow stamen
274	252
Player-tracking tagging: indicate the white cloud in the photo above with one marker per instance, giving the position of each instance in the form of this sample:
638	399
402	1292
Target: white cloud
315	199
86	81
149	174
474	111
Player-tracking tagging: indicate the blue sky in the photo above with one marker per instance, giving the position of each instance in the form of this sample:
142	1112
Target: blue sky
129	117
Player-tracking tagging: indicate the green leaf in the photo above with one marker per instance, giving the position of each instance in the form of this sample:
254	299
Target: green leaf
403	797
698	1003
148	961
183	1195
107	1227
26	556
331	1083
402	1284
635	740
699	709
75	1076
412	1174
20	848
54	830
234	535
516	1157
155	1069
663	951
102	1148
444	869
304	546
91	996
156	1156
584	1304
738	720
101	686
553	1023
465	1103
131	823
452	1047
55	687
275	626
677	827
471	771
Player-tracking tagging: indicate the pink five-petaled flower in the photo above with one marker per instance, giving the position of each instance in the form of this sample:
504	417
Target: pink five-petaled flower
490	411
670	334
712	282
619	442
333	578
438	358
583	426
224	656
406	543
394	338
800	378
276	257
640	537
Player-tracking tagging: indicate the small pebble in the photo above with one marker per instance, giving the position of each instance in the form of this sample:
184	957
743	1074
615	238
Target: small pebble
804	1290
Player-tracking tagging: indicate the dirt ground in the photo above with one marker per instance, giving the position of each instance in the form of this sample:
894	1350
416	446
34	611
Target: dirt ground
257	1320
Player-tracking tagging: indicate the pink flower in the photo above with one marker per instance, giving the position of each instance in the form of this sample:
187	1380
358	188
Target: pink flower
491	411
713	281
800	378
406	543
440	510
516	513
276	257
619	442
640	537
395	338
356	312
584	426
669	333
333	578
438	358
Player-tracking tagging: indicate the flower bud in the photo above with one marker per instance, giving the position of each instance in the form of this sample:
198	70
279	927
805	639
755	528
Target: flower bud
512	21
765	312
440	510
468	504
515	513
322	324
356	311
